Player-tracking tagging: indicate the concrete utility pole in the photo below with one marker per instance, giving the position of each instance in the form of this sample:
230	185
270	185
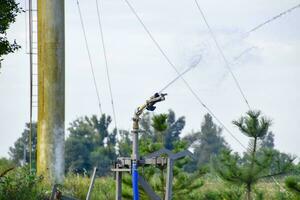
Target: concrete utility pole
51	90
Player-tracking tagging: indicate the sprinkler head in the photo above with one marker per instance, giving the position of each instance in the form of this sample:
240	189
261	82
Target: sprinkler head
157	97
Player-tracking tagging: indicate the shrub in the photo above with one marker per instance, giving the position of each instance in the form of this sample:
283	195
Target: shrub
21	184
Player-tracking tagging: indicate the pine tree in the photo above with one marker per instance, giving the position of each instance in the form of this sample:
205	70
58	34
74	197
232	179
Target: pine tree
169	136
251	168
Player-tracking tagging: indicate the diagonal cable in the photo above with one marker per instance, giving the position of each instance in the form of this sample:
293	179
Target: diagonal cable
106	62
89	56
222	54
272	19
179	74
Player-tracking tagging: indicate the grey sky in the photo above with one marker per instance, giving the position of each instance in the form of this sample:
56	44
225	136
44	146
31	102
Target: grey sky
268	73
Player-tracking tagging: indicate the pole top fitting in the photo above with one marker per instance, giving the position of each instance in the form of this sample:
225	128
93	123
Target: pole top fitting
149	105
157	97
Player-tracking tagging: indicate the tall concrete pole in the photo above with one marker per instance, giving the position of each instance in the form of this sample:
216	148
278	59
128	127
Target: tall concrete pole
51	89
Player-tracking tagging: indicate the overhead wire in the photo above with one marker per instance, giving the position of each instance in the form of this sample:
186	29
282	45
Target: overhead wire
181	77
259	26
222	54
89	57
106	62
272	19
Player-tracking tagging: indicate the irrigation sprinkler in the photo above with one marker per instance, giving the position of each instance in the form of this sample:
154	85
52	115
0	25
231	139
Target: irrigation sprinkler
131	164
149	105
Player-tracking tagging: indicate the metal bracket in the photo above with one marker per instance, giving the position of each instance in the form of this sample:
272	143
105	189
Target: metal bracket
124	164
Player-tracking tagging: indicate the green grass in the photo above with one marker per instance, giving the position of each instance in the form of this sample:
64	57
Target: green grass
19	184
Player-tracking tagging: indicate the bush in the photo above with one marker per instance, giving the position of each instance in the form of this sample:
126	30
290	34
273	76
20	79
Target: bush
5	164
21	184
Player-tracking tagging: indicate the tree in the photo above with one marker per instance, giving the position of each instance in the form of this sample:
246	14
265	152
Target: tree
169	136
19	152
124	144
183	182
206	143
90	144
175	127
8	12
251	168
268	141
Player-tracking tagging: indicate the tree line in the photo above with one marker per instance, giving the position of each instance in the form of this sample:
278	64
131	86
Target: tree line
92	143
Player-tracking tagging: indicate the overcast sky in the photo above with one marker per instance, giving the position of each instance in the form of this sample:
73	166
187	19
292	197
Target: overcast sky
268	71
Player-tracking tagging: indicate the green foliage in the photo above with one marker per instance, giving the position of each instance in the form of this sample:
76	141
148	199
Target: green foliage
19	153
77	186
253	126
159	122
227	192
5	165
175	127
279	195
163	128
20	184
268	141
210	195
206	143
233	193
183	182
90	144
255	165
293	184
259	195
8	12
124	144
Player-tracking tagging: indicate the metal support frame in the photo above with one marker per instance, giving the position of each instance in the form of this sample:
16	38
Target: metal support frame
124	164
169	179
118	185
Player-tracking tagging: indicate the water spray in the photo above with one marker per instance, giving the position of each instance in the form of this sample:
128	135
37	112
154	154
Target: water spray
193	64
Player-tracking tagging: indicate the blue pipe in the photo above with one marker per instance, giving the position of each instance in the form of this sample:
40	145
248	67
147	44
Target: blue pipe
135	181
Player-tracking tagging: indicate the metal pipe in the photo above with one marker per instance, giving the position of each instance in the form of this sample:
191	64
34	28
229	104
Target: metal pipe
135	181
149	105
31	84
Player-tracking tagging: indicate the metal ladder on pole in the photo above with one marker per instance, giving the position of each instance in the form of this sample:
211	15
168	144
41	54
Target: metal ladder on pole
32	51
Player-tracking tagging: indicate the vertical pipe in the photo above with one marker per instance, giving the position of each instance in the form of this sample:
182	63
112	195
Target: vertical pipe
135	140
169	179
135	157
31	83
135	178
51	90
